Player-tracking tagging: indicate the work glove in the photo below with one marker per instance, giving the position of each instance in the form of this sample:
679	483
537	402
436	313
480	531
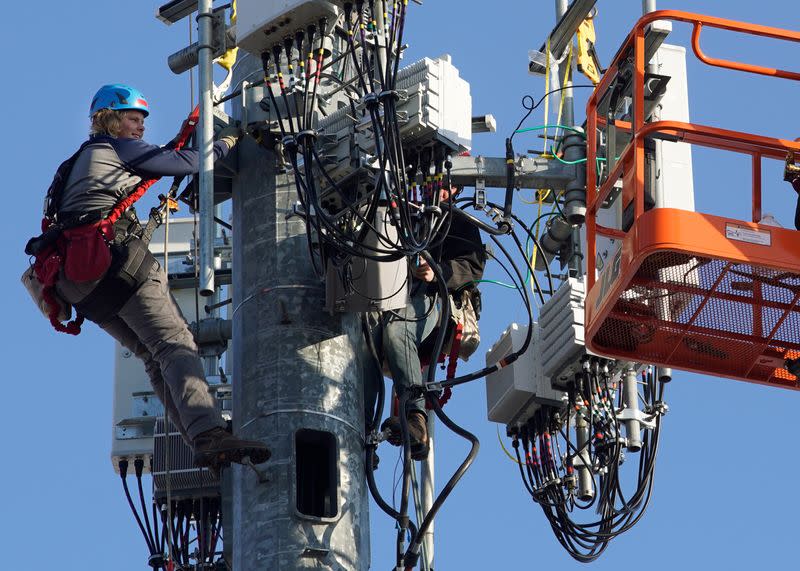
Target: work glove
230	135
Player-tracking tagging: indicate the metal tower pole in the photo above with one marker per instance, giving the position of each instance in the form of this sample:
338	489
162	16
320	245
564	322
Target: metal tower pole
298	383
568	116
647	7
205	133
428	493
574	150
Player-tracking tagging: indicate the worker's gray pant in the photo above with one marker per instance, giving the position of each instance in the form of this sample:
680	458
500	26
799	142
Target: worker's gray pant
151	326
398	335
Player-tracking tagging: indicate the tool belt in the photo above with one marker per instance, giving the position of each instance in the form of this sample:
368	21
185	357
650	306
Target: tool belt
131	263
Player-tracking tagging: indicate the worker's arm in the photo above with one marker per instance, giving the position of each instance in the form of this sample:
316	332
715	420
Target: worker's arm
463	256
152	161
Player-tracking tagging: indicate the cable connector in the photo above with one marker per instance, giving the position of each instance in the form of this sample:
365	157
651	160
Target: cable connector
376	438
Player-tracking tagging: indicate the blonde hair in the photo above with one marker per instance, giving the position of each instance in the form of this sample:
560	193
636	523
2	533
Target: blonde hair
106	122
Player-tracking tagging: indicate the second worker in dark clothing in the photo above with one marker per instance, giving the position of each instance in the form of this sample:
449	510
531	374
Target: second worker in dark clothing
399	334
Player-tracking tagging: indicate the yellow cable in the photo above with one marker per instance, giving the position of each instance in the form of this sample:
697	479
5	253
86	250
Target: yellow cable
546	91
528	201
503	446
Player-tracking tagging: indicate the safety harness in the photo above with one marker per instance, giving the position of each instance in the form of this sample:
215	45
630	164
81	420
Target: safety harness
91	246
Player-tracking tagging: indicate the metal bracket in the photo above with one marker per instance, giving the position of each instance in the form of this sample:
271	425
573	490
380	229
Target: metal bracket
647	420
315	552
260	474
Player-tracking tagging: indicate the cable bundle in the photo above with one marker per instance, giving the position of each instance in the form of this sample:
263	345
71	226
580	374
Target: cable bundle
572	460
403	182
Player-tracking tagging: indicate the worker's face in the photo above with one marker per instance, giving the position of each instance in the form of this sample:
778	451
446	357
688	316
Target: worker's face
131	125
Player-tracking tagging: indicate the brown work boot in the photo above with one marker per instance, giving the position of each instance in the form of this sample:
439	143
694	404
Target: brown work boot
218	447
417	433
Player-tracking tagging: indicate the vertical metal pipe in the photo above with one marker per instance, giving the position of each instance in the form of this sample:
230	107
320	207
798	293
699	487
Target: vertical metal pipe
205	134
416	487
630	396
568	116
647	7
575	195
428	494
582	461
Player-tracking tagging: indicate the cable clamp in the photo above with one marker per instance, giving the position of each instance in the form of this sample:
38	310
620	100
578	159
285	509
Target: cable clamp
297	210
497	216
289	143
659	408
647	420
370	101
375	438
479	202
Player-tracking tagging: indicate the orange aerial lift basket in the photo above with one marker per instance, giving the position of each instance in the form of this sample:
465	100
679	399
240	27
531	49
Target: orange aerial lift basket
689	290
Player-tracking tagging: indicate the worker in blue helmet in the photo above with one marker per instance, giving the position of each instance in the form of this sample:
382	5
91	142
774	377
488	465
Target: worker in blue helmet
131	301
119	97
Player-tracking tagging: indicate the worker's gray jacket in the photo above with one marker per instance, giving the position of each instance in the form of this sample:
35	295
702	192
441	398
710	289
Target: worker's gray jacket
107	170
110	168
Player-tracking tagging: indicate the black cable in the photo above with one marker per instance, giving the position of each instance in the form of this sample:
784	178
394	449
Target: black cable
412	553
123	473
533	106
138	467
374	422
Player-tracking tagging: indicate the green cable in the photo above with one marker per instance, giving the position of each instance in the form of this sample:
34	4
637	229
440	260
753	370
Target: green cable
562	161
509	286
543	127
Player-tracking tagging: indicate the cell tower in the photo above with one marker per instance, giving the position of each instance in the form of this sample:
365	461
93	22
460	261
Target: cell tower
336	187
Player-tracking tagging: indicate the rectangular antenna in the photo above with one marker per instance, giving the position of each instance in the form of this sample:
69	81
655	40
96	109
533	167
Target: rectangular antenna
176	10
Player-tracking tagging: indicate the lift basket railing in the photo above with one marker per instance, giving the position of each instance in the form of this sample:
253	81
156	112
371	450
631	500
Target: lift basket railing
689	290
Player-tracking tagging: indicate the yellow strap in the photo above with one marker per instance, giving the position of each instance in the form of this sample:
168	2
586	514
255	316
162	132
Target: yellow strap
587	59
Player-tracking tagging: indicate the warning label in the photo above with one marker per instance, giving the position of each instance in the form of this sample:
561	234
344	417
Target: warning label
750	235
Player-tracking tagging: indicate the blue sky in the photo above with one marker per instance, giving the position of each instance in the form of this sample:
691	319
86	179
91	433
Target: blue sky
725	492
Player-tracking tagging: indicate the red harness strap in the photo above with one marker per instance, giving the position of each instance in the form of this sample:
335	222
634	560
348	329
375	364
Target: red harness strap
458	334
47	266
186	130
50	261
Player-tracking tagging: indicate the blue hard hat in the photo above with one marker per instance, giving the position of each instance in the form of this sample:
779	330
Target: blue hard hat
120	97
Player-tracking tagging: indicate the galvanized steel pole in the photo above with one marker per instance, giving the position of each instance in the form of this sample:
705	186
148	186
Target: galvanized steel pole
298	382
205	133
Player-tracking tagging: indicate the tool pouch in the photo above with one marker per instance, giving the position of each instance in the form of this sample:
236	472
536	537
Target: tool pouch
87	255
131	265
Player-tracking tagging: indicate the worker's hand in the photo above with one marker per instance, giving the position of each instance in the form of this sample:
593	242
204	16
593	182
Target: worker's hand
230	135
424	272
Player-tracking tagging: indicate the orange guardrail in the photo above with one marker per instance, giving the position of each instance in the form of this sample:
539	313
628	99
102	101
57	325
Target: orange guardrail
684	239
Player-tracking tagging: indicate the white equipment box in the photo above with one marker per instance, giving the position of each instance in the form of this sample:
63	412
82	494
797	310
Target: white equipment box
261	24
